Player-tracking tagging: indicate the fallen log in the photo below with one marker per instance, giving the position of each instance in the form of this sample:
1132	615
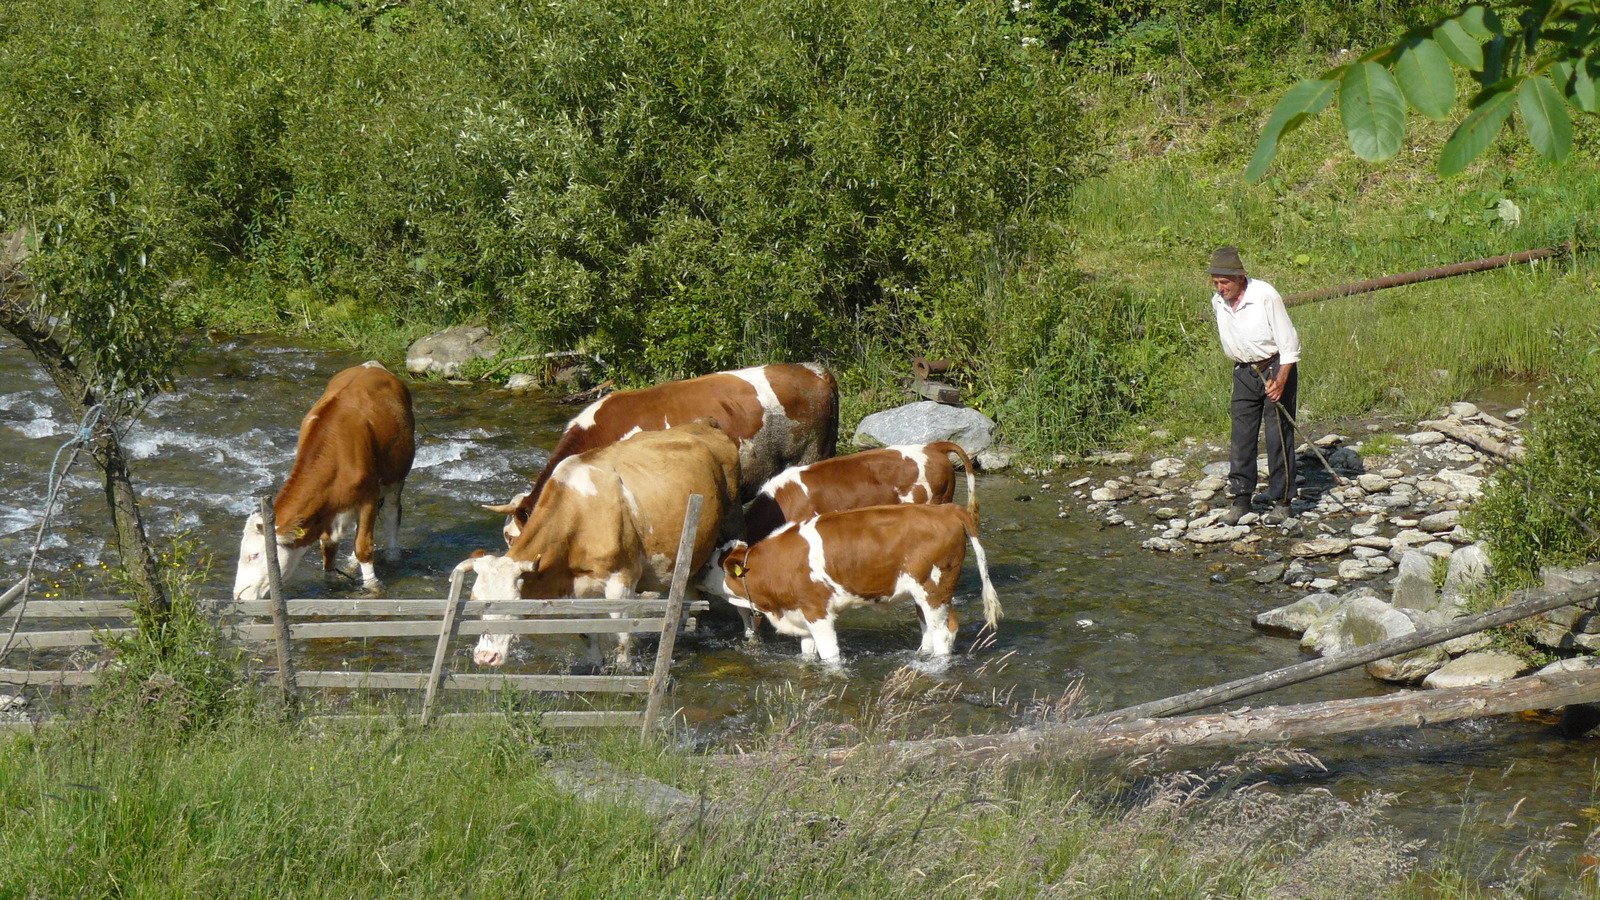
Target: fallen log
1533	602
1402	709
1474	439
1420	275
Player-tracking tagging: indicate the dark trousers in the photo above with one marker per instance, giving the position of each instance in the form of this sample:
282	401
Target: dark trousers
1250	406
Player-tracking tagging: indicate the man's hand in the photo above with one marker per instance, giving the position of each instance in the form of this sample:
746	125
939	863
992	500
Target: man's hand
1279	381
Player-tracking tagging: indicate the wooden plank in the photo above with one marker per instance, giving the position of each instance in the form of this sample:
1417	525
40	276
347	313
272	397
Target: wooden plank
1533	602
551	719
935	390
669	629
600	684
304	631
76	609
49	677
82	637
427	607
280	610
447	633
1402	709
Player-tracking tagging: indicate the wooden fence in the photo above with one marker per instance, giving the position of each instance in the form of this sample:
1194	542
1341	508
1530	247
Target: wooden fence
445	620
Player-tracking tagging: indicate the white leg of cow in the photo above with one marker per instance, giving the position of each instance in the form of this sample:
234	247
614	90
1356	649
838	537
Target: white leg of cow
808	648
389	513
752	633
827	642
618	588
365	526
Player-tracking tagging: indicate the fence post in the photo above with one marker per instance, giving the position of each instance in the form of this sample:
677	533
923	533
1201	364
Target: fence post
447	633
669	631
280	608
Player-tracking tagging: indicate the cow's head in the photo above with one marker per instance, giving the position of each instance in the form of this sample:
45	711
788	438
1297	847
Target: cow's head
509	509
735	569
499	578
251	581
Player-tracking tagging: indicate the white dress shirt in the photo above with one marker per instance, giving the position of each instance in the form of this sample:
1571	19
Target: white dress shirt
1259	327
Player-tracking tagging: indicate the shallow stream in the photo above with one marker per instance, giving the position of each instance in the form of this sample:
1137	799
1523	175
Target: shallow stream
1081	602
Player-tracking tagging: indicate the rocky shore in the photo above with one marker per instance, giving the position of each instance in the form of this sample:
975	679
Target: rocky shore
1376	543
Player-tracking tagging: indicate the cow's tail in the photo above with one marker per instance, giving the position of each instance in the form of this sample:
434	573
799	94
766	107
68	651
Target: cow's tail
830	416
966	463
991	600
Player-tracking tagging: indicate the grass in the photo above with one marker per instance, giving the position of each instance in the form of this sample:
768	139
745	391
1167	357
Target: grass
257	808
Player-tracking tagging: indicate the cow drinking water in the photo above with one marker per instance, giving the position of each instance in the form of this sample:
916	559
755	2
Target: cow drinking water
609	521
354	452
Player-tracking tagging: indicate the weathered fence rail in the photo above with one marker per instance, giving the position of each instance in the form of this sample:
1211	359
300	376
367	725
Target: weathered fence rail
401	619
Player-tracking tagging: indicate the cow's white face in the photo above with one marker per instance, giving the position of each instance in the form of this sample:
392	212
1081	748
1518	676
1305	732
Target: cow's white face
713	580
251	581
498	578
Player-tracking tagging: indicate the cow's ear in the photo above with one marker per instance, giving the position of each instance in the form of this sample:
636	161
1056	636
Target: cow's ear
738	570
480	553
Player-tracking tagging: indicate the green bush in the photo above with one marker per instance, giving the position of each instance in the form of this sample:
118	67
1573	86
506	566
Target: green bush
1545	508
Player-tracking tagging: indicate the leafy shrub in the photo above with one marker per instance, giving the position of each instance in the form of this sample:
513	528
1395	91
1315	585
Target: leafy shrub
1545	508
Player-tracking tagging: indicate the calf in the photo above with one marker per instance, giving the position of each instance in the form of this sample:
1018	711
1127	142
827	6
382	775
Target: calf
803	574
779	415
909	473
355	450
609	521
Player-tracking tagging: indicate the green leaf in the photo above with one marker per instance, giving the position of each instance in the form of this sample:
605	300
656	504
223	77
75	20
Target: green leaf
1476	132
1549	129
1583	88
1373	111
1494	61
1459	45
1425	78
1472	20
1307	98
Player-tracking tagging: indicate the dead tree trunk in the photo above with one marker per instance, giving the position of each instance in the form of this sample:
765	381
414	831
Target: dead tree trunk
51	350
1484	442
1461	268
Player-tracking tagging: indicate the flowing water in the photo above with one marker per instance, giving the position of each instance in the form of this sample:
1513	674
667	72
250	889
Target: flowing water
1082	603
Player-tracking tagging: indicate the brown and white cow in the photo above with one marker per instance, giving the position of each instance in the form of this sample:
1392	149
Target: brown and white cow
908	473
350	465
780	415
804	573
609	520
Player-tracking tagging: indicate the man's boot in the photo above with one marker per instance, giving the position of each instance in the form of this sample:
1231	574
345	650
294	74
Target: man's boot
1236	512
1278	514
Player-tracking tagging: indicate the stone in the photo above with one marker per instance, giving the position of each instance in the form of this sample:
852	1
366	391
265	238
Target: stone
1166	467
1407	539
1268	574
995	459
445	352
1515	414
1111	493
1463	410
924	422
1296	617
1575	664
1117	458
1216	470
1330	440
1216	534
1481	667
1324	584
1346	461
1322	546
1469	569
1407	668
1380	563
1364	553
1425	438
1441	521
521	383
1353	570
1461	481
1163	544
1392	473
1079	483
1467	643
1438	549
1413	587
1372	483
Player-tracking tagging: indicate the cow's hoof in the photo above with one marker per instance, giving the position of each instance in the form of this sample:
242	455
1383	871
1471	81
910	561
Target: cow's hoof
373	587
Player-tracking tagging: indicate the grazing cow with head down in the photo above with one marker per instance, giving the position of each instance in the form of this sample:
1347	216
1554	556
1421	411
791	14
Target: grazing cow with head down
804	573
350	465
779	415
609	521
909	473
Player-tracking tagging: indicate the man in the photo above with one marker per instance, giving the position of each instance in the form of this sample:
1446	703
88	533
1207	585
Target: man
1257	335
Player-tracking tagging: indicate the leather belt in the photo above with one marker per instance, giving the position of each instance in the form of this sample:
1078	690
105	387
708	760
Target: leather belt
1260	365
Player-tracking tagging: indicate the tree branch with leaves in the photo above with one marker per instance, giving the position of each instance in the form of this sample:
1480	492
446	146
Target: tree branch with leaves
1540	59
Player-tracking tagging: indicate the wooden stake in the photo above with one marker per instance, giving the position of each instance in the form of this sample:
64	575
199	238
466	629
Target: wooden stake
447	633
280	609
669	631
1267	681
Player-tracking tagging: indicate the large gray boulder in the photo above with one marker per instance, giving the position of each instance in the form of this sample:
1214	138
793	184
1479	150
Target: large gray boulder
1483	667
1327	636
1413	587
1469	568
924	421
444	353
1407	668
1296	617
